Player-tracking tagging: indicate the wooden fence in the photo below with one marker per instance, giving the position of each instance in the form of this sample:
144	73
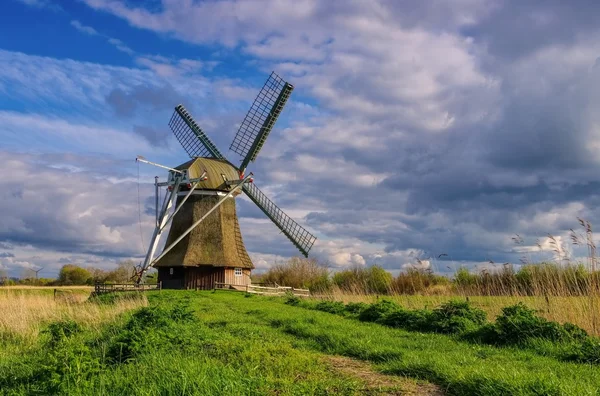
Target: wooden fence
264	290
101	288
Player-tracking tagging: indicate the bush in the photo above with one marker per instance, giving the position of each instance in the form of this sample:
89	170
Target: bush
575	332
377	310
518	324
334	307
150	328
414	320
355	308
292	300
455	317
299	273
588	352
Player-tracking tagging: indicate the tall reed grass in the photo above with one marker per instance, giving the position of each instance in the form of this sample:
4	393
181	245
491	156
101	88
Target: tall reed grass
23	313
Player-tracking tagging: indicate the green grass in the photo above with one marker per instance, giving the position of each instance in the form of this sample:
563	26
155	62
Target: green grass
224	343
461	368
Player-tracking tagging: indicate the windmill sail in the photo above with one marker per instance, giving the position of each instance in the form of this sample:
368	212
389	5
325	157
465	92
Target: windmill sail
298	235
261	118
195	142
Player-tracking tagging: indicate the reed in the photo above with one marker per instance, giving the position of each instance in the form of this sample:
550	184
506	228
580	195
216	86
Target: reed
25	313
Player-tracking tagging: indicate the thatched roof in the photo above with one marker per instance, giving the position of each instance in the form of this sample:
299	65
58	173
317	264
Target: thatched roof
217	171
216	241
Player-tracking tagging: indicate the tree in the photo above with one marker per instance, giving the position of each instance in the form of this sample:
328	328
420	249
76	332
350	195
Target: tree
299	272
71	274
378	280
98	274
123	273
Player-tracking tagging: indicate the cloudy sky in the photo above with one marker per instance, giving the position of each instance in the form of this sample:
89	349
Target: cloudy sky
416	128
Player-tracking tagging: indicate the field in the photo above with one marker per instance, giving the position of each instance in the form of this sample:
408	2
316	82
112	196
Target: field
180	342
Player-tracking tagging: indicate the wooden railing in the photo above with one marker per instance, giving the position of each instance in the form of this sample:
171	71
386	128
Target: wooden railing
264	290
101	288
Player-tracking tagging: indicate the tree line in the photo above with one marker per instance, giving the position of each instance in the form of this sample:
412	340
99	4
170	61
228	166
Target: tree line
77	275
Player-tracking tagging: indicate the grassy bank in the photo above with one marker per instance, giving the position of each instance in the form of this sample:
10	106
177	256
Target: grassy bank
226	343
575	309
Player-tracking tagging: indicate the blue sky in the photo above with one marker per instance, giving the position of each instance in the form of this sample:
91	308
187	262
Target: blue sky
415	129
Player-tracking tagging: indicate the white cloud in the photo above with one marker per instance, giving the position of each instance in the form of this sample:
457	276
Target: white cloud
47	4
65	82
27	131
7	263
69	211
120	46
418	265
357	59
264	261
166	67
83	28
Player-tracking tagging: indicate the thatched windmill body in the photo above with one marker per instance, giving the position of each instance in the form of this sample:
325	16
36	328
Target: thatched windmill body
204	244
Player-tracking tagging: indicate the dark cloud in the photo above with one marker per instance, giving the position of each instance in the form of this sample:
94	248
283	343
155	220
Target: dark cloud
156	137
149	207
6	254
516	28
126	103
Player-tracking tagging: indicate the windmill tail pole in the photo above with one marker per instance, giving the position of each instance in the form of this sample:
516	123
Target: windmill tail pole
184	234
139	158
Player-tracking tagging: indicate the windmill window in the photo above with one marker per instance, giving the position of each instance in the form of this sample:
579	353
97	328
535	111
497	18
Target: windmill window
170	271
237	272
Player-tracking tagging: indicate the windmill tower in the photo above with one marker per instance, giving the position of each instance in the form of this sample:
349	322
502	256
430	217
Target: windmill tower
204	244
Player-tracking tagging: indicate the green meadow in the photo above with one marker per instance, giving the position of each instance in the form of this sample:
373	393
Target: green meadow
225	343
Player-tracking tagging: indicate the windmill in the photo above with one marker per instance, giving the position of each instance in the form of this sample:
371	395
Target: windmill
37	272
204	244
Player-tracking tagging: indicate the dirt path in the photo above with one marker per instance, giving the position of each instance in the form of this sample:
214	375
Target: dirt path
380	384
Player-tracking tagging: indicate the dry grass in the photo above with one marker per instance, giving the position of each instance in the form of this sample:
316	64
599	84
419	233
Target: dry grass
25	313
26	287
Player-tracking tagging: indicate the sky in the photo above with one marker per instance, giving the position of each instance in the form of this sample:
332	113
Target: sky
420	134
